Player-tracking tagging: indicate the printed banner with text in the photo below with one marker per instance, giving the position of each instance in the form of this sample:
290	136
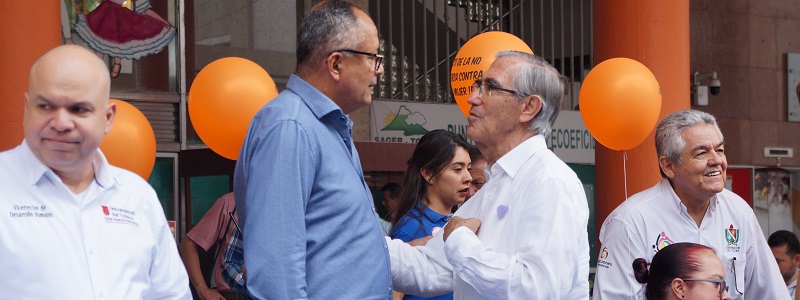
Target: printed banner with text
407	122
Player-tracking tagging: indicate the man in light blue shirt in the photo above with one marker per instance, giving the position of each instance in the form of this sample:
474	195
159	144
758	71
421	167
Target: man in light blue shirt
309	223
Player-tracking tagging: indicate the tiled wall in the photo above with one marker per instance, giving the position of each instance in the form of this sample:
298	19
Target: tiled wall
746	43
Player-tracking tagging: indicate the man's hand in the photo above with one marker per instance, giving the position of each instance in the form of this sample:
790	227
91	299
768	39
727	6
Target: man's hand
420	241
210	294
455	222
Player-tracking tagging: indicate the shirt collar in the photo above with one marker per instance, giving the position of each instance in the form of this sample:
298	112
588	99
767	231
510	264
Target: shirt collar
512	161
666	187
102	171
434	216
35	169
317	102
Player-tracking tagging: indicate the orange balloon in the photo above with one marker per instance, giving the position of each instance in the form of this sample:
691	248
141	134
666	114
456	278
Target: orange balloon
224	98
620	102
131	144
474	58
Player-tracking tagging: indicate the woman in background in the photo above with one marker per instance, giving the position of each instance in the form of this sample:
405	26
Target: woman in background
682	271
437	179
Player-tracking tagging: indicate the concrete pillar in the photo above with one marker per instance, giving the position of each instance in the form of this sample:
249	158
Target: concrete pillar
655	33
29	29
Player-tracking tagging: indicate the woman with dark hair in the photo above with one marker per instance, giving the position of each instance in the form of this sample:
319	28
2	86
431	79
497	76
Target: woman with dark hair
682	271
436	180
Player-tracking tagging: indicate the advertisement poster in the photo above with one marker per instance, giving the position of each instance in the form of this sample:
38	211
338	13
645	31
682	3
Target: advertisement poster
772	199
407	122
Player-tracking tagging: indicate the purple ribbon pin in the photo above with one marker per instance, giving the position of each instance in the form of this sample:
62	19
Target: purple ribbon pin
501	211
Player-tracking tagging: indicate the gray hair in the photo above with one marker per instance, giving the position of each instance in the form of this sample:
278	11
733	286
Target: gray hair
538	77
329	26
670	142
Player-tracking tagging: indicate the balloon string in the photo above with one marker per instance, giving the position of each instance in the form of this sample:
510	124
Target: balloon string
625	171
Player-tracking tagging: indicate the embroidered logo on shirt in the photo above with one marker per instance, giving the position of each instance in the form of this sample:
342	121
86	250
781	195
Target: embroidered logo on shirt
732	237
662	241
602	262
119	216
29	211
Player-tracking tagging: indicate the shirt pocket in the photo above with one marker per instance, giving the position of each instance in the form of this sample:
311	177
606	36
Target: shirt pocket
734	273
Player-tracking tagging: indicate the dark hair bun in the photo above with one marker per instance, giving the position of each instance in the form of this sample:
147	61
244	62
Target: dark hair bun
640	270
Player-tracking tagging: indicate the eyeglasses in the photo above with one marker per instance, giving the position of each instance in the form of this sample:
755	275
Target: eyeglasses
733	270
378	58
485	90
719	282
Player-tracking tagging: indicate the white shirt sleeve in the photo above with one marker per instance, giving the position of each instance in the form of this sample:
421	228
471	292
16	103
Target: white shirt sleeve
614	277
486	270
168	278
541	266
422	270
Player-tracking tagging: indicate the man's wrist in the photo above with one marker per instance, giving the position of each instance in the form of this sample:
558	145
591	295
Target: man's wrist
201	287
456	231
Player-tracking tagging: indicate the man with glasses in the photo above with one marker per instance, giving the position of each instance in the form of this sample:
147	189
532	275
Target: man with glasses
690	204
307	214
523	235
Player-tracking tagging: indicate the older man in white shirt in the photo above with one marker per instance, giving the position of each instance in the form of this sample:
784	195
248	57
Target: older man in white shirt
690	204
523	235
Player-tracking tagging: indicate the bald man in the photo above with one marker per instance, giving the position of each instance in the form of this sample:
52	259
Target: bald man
309	223
71	225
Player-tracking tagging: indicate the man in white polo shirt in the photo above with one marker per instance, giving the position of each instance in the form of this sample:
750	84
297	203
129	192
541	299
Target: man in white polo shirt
71	225
689	205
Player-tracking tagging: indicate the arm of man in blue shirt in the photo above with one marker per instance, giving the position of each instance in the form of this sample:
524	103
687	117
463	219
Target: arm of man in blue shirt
273	165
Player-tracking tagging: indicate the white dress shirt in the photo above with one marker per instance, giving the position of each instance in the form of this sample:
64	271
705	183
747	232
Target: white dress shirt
108	242
532	243
656	217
